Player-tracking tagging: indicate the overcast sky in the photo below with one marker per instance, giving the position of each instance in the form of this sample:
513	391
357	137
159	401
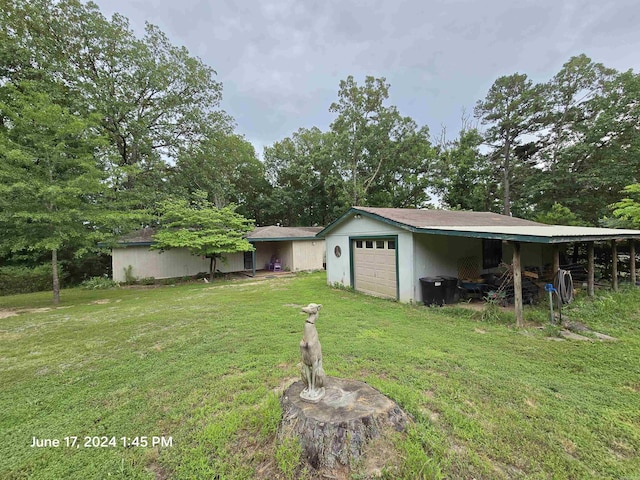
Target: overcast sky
281	61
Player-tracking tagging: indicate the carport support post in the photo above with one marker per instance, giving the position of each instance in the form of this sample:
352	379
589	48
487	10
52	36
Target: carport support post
614	266
591	277
517	284
632	261
556	259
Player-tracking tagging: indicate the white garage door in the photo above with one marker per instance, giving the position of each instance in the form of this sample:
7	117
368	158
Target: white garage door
374	267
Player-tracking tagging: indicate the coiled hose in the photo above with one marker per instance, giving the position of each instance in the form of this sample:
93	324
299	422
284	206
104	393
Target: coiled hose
563	283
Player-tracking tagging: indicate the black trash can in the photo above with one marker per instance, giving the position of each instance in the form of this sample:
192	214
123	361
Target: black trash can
450	289
432	291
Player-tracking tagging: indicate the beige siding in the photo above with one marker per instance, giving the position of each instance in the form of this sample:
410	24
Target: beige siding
169	264
307	255
281	250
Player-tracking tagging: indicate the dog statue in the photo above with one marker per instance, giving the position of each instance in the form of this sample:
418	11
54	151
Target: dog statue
312	372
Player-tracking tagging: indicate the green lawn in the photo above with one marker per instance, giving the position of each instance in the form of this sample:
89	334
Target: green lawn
204	364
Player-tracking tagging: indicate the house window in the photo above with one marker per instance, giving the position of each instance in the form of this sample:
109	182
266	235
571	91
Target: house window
337	251
368	244
358	243
391	244
380	244
491	253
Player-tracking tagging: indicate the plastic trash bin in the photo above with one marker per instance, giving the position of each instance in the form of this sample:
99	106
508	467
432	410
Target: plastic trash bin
432	290
450	289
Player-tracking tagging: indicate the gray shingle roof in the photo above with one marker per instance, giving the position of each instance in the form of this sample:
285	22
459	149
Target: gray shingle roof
273	232
449	218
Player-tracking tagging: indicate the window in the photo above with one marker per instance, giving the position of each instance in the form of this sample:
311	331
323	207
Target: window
368	244
391	244
358	243
491	253
380	244
337	251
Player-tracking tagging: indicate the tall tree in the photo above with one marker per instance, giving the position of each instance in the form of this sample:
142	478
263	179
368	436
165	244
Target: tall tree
50	186
508	112
308	188
151	96
378	148
202	228
225	166
567	114
466	179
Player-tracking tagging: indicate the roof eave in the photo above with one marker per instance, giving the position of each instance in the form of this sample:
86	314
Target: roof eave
353	210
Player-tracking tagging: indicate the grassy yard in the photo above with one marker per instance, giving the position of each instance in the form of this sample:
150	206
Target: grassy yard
203	365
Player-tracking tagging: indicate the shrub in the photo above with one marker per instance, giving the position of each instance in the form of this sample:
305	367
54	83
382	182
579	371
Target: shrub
129	278
98	283
25	280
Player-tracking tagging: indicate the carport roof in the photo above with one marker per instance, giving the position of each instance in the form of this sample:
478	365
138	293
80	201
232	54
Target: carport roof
481	225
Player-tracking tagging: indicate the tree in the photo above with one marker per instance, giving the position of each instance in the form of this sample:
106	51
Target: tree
308	188
508	111
152	98
384	157
628	209
466	179
202	228
567	114
224	165
50	186
559	215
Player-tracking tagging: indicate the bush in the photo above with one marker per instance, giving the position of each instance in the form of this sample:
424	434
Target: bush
98	283
26	280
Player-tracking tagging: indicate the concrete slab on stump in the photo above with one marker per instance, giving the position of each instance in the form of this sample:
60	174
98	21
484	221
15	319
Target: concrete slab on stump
334	432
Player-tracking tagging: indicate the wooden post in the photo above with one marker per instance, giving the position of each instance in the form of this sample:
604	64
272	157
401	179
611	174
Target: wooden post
517	284
591	279
632	261
556	259
614	266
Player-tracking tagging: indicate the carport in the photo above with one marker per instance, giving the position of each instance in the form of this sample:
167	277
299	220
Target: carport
384	251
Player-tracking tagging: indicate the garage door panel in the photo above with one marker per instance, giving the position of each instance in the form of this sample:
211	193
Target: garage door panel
375	268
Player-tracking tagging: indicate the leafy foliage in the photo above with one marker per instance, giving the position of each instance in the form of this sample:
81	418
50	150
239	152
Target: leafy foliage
628	209
202	229
50	185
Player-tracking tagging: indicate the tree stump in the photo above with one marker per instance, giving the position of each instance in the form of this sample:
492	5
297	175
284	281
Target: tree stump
334	432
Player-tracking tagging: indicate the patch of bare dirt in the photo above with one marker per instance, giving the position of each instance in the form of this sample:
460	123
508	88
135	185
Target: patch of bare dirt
6	313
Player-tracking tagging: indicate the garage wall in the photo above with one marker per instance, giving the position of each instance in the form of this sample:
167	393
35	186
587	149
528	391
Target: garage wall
339	269
437	255
168	264
307	254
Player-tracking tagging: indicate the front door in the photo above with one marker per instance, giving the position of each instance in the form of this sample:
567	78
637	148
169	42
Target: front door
248	260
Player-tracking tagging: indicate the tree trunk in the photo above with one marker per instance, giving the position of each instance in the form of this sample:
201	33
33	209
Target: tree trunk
212	267
334	432
56	280
505	180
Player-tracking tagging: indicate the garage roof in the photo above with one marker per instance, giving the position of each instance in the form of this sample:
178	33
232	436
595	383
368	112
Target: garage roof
481	225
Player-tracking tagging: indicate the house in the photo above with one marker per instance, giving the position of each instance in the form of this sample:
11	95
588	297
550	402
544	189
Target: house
385	251
294	249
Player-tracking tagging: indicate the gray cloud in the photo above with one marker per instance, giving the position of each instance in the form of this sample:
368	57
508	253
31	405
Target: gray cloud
280	61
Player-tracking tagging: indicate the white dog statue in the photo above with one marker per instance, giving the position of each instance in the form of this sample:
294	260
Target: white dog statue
312	372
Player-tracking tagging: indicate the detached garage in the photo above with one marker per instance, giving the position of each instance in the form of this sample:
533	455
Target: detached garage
385	251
